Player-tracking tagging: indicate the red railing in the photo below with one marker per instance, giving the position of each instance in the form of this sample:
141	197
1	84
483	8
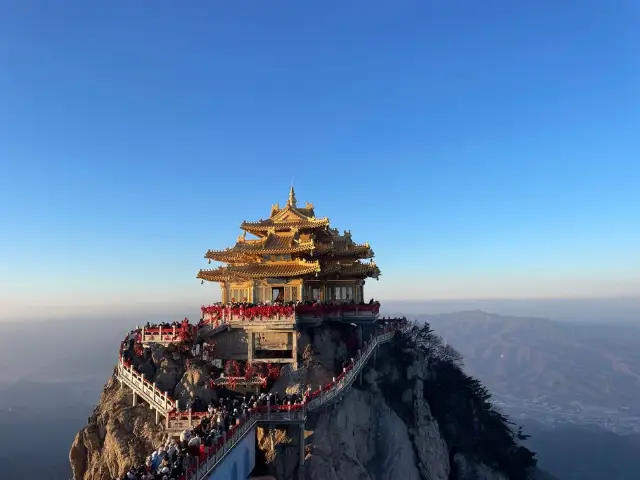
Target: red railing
174	333
213	313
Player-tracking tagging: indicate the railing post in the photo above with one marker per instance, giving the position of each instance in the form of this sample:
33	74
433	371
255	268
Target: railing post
166	401
142	382
174	331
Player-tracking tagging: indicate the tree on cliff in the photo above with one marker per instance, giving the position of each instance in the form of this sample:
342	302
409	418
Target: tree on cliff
468	420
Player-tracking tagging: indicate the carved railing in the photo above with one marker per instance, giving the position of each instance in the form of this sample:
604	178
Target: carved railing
144	388
258	381
286	314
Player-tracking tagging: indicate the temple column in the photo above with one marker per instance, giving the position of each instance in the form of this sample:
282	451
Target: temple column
294	349
135	399
360	336
251	346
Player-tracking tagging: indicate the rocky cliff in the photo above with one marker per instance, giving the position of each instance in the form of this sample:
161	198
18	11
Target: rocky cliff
413	415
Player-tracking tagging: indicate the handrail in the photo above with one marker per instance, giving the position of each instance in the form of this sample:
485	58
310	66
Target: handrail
217	453
272	414
344	381
143	387
261	381
289	313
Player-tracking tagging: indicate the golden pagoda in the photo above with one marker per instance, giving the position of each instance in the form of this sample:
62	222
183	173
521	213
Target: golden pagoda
294	256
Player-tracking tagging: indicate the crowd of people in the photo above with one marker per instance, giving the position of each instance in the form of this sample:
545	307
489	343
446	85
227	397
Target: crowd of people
166	325
177	458
276	302
218	312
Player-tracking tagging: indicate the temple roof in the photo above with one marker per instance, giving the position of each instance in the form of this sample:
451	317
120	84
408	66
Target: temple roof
272	244
283	243
293	268
292	242
343	246
287	218
352	269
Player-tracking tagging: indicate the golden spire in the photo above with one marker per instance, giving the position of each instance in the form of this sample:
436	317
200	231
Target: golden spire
292	198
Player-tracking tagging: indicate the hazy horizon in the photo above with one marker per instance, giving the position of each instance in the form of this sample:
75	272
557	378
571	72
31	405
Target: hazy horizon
598	310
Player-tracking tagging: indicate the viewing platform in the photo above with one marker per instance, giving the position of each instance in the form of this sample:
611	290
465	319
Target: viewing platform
284	317
167	335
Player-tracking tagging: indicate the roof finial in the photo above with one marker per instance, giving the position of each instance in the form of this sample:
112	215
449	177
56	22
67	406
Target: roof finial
292	198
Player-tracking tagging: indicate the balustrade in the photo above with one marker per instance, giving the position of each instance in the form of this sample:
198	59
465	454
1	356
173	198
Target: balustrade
143	387
235	314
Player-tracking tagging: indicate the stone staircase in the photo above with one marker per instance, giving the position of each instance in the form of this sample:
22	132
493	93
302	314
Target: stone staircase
159	401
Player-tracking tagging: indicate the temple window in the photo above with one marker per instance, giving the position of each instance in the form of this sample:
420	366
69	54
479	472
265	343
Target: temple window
349	293
277	294
239	295
315	294
342	293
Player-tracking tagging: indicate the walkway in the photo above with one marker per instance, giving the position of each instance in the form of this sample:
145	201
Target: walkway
177	421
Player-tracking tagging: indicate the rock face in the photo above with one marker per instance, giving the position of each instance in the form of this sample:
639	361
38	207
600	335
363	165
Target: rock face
382	428
117	436
363	438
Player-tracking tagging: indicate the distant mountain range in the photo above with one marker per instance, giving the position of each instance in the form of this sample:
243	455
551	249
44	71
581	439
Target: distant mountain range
570	385
534	359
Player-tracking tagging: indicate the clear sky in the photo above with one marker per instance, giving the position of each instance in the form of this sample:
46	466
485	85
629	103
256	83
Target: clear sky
485	149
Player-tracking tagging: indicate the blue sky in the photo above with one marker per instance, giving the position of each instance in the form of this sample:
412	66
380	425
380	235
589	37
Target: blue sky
485	149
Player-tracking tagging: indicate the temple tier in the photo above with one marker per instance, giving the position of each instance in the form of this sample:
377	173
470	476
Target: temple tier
296	257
